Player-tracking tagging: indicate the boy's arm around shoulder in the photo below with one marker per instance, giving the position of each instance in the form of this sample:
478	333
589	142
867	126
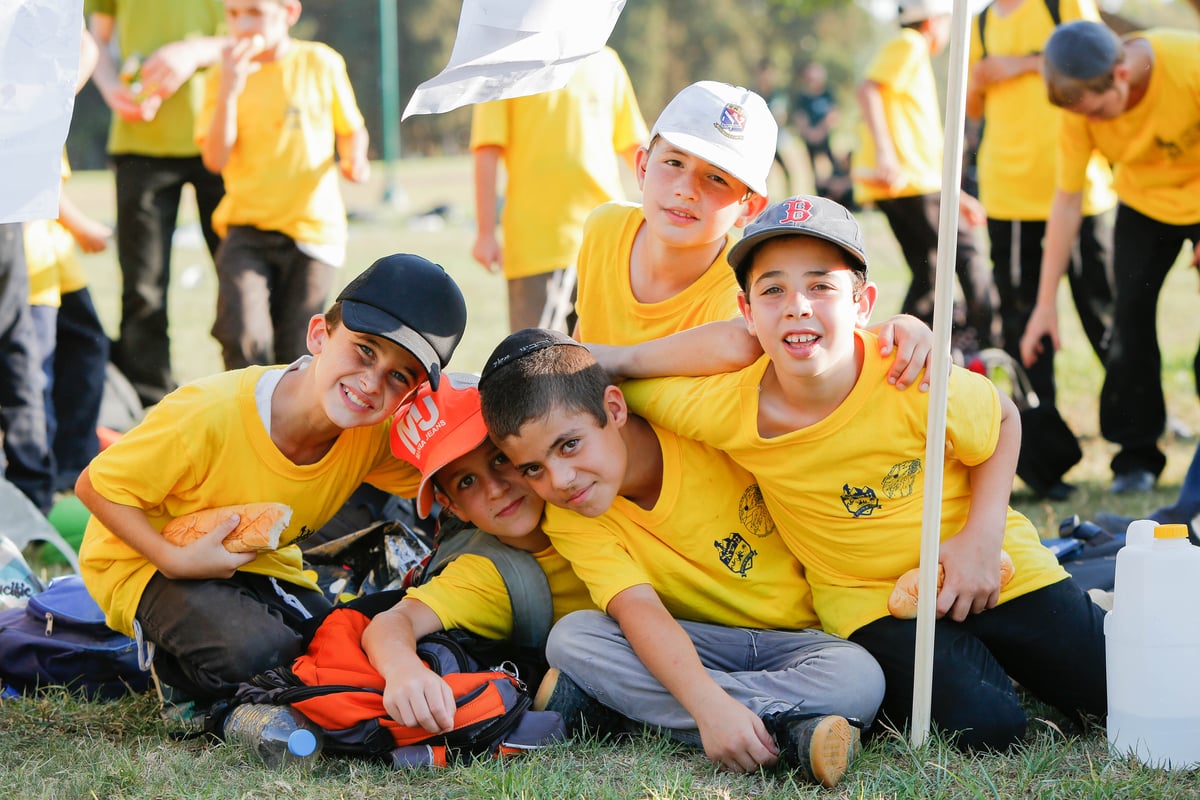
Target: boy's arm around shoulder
413	694
708	349
970	557
731	733
205	557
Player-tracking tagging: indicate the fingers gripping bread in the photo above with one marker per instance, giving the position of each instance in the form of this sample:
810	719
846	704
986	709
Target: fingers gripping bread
903	602
259	526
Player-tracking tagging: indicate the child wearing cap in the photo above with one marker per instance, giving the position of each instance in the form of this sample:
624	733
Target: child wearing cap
305	435
443	435
647	271
1136	101
898	164
840	459
707	628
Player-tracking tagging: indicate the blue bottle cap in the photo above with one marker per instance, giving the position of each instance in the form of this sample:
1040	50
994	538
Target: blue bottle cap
302	743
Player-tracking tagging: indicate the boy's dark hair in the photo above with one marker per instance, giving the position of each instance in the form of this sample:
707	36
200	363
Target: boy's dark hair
535	371
1080	57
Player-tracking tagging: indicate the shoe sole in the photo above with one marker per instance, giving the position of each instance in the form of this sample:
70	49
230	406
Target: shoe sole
834	745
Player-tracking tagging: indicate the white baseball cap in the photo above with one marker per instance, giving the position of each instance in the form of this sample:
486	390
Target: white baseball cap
728	126
918	10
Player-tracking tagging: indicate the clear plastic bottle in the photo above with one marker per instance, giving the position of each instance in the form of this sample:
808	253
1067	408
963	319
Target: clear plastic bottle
277	734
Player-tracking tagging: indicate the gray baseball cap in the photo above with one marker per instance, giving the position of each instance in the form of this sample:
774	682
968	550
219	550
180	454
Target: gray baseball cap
1082	49
801	215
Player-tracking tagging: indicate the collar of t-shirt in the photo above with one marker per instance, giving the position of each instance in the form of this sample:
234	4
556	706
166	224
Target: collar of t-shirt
265	388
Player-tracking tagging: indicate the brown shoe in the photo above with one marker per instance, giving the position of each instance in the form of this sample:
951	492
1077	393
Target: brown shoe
819	748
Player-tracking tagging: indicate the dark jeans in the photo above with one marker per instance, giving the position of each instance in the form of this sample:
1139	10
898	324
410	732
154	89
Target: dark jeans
1050	641
211	635
148	191
267	291
79	362
22	406
914	223
1133	412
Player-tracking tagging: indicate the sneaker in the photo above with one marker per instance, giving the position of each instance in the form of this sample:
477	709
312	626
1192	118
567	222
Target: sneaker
581	713
1139	480
1113	523
820	748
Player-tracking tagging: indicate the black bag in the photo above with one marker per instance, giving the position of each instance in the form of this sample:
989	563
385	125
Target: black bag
60	639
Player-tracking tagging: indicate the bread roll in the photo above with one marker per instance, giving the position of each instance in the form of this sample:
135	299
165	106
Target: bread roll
259	526
903	602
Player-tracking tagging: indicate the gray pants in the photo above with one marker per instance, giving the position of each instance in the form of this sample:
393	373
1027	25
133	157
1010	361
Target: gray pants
766	671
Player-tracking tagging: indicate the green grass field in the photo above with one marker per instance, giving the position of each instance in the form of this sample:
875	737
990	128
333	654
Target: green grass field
56	747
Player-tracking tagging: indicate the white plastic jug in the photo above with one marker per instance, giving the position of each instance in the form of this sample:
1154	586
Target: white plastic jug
1152	640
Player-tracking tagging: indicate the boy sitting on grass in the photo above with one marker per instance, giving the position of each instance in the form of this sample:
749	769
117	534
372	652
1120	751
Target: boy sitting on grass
708	629
840	457
472	479
305	435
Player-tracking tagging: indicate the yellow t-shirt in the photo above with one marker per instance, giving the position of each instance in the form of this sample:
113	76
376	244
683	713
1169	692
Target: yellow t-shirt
1017	154
204	446
281	174
143	26
49	247
1154	146
910	105
610	314
708	547
470	594
847	492
560	155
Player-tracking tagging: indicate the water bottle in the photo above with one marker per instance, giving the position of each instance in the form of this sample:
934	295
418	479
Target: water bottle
277	734
1152	646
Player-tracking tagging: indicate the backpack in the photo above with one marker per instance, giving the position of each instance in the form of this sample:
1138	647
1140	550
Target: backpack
60	639
335	686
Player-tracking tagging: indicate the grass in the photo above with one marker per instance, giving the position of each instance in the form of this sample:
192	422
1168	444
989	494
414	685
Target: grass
54	746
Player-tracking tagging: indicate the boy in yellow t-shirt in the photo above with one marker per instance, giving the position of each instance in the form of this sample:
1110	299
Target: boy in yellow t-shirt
840	457
1136	101
708	631
306	435
443	436
898	165
276	111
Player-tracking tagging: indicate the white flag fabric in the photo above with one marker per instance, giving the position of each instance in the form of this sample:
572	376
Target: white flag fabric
39	67
513	48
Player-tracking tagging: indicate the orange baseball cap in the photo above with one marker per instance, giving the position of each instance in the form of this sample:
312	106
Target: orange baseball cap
441	425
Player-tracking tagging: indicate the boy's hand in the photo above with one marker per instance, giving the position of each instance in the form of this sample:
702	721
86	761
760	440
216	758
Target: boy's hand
355	169
127	106
420	699
92	236
168	68
237	64
207	557
734	737
488	253
972	576
912	341
1043	321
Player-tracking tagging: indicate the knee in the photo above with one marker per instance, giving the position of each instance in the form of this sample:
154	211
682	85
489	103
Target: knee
995	726
569	642
864	683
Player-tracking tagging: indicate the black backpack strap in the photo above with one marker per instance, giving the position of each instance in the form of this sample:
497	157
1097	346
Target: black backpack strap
528	589
983	26
1055	14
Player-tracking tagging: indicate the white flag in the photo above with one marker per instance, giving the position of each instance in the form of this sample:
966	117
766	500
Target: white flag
512	48
39	67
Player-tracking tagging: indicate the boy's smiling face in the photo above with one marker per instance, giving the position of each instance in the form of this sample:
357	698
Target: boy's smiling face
485	489
362	379
569	460
687	201
802	304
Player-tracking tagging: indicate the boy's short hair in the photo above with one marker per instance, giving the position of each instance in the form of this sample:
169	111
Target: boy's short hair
535	371
914	12
411	301
802	215
1080	56
441	425
728	126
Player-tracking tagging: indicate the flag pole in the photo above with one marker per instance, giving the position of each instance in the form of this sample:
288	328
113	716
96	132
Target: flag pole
943	313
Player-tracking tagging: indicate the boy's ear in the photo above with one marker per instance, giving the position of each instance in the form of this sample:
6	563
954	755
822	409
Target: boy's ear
293	12
448	504
744	307
614	403
640	160
318	333
866	303
751	209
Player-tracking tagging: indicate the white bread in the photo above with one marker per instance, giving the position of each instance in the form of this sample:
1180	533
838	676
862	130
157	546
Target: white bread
259	526
903	602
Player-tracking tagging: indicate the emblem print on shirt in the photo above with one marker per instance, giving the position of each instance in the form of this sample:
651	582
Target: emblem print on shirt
860	502
736	553
752	512
900	479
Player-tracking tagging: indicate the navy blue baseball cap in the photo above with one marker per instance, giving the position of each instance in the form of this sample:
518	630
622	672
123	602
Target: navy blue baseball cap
411	301
802	215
